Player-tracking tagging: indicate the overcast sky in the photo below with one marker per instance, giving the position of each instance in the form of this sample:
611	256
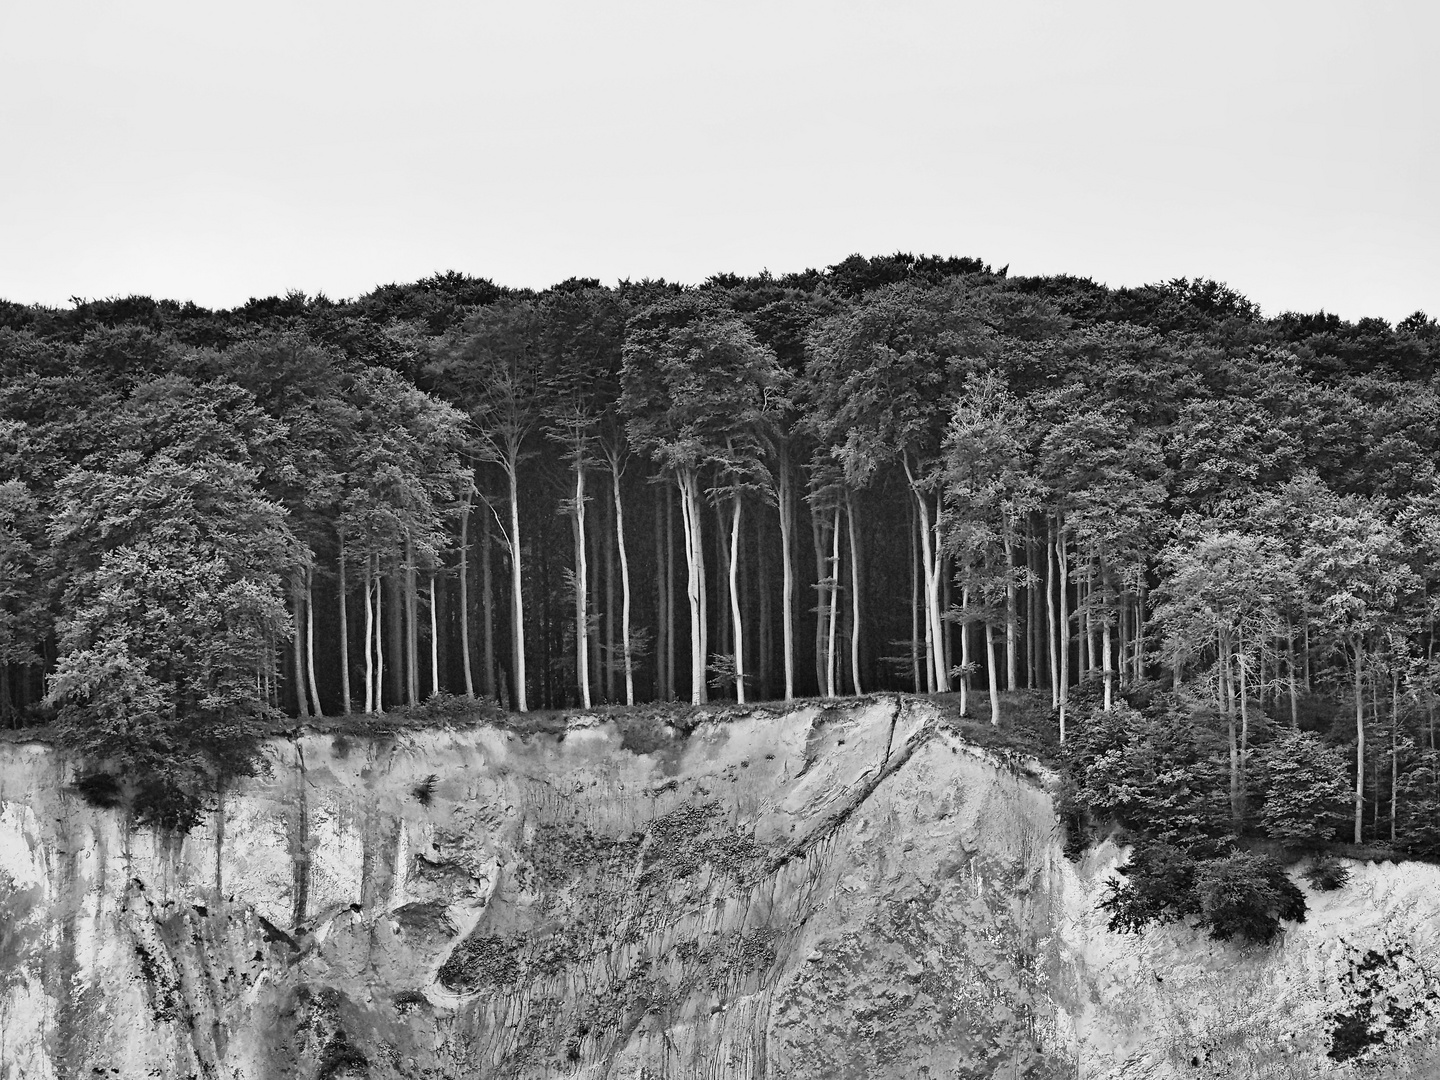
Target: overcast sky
217	152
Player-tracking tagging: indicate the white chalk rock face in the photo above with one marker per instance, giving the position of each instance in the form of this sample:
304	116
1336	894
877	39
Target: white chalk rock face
819	893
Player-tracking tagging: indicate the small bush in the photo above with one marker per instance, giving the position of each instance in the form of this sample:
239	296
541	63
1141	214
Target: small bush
1327	874
424	791
1246	895
99	789
1159	888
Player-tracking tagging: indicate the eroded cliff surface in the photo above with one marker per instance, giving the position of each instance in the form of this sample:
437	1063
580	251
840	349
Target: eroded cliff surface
843	892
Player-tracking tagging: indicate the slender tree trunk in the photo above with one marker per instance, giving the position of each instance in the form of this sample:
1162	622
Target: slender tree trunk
834	605
993	674
310	642
344	634
965	659
1227	686
915	653
690	509
593	620
822	600
380	586
1359	655
662	628
1394	752
1032	609
670	593
297	600
931	558
582	614
785	493
1063	557
517	606
737	621
1053	634
369	640
854	594
1012	614
1140	598
434	640
625	633
465	591
761	603
1241	660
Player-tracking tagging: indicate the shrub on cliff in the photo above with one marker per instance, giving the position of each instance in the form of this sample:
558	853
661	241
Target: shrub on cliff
1246	895
1240	895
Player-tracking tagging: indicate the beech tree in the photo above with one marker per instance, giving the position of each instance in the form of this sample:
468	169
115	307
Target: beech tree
493	367
1355	568
698	397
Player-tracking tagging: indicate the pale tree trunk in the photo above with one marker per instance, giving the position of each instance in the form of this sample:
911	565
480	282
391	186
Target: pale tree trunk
1053	629
994	674
670	594
1063	558
297	599
1032	609
915	603
1012	615
379	640
931	558
854	594
1140	632
344	634
785	496
1227	690
517	606
1241	659
369	638
1394	751
1359	653
434	641
735	618
834	605
582	595
310	642
965	658
615	472
690	511
465	591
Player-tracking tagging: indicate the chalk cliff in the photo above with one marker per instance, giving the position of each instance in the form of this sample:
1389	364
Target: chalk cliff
823	892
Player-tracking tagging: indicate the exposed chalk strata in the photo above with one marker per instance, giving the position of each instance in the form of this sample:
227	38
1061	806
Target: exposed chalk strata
843	892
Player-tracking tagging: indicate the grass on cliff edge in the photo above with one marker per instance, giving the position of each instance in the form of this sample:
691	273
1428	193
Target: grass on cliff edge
1027	725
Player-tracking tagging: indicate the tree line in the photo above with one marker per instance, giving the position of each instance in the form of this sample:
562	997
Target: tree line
899	472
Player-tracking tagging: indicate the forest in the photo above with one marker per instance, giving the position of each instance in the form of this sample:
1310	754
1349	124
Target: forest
1204	541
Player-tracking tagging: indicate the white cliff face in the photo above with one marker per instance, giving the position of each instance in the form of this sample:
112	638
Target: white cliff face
850	892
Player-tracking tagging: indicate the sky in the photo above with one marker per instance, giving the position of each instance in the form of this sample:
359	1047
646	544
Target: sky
214	152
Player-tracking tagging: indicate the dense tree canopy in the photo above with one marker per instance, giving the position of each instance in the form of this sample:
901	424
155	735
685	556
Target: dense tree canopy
1207	539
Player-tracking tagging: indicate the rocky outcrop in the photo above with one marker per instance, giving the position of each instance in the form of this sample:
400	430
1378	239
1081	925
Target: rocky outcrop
827	892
